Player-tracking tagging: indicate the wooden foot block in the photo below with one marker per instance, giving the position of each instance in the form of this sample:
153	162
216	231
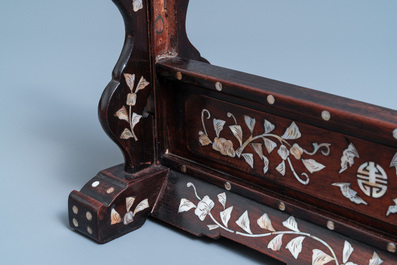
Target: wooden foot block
114	203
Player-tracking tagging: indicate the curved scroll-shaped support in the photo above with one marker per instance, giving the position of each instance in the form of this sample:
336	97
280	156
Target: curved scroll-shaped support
128	117
125	107
104	208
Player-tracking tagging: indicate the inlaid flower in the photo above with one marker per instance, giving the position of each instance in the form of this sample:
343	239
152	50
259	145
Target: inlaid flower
296	151
204	207
225	147
203	139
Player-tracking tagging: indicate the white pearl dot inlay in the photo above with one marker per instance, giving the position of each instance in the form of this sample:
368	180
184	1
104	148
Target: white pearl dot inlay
95	184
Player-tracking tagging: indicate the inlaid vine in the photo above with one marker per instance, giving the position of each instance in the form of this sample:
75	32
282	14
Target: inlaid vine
205	205
265	142
128	115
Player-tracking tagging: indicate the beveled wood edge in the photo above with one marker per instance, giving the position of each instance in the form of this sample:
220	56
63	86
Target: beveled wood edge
380	122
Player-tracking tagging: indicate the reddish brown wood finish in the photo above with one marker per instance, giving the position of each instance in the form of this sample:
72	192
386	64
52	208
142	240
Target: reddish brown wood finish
161	123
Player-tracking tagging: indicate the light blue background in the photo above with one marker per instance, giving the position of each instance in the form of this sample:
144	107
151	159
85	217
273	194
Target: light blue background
57	56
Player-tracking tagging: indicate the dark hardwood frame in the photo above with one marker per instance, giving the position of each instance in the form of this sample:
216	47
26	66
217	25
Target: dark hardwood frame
174	172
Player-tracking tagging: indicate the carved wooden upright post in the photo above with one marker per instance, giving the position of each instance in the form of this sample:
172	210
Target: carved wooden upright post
282	169
118	200
154	29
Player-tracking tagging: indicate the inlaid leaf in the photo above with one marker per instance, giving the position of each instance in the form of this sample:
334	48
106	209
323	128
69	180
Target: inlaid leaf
283	152
295	246
222	199
115	217
203	139
392	208
237	132
349	193
291	223
225	215
358	200
137	5
130	80
376	260
320	258
276	243
244	222
264	222
126	134
142	206
292	132
347	251
122	114
296	151
141	84
312	165
281	168
250	123
218	126
265	164
394	162
258	149
269	126
185	205
249	158
213	227
135	119
129	201
270	145
348	156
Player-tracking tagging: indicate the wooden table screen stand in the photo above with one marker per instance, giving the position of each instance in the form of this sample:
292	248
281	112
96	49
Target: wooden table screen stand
300	175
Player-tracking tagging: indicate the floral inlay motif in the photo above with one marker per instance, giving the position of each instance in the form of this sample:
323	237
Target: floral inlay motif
128	218
319	257
128	115
267	141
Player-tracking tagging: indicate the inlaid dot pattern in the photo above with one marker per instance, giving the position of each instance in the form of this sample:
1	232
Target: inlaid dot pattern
270	99
89	230
110	190
88	215
330	225
75	209
95	184
326	115
391	247
75	223
281	206
218	86
179	75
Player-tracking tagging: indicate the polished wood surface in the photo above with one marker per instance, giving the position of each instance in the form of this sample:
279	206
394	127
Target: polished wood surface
280	168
